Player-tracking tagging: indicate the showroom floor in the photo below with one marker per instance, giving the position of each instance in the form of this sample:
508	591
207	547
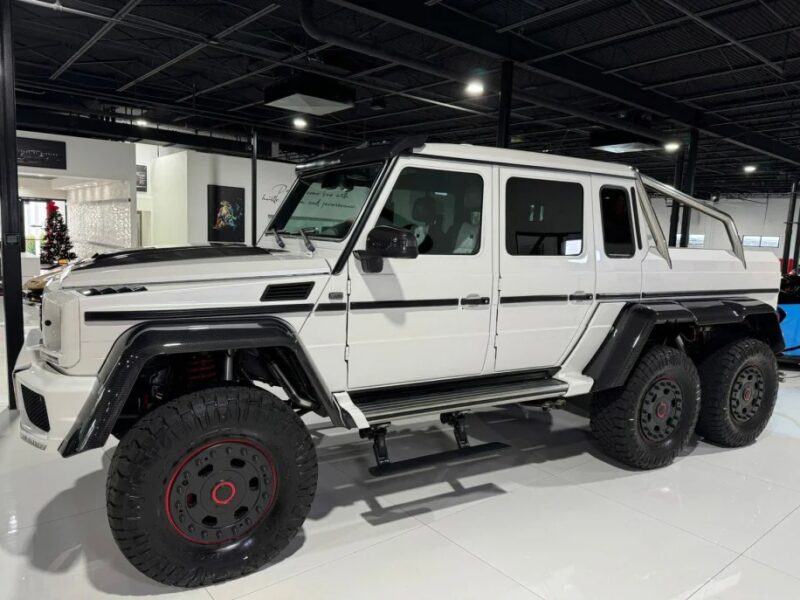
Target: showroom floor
546	518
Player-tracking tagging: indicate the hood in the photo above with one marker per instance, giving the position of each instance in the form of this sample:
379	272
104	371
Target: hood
188	264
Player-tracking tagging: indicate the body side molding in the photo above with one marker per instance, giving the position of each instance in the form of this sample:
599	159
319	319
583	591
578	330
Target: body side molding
619	352
134	348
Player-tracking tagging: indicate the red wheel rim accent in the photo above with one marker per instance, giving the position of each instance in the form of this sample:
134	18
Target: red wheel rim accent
177	470
223	485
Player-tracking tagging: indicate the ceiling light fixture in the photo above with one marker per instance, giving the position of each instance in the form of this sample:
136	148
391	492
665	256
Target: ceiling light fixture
750	169
142	122
299	122
474	88
672	146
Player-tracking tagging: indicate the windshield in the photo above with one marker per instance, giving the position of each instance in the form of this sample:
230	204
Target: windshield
325	205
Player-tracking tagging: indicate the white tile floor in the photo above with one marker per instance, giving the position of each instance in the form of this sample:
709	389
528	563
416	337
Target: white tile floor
547	518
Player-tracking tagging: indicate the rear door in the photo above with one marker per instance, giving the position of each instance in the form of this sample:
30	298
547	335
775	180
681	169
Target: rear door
547	265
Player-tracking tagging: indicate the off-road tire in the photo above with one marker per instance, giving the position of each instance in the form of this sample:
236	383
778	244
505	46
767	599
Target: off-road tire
720	374
616	415
164	449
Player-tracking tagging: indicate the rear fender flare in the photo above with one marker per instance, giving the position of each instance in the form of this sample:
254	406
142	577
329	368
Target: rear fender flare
619	352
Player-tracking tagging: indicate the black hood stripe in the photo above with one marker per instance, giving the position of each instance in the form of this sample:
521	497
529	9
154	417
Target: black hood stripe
138	256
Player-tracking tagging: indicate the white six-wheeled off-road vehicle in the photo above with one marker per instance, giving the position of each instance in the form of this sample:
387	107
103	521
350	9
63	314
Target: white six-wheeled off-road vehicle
394	281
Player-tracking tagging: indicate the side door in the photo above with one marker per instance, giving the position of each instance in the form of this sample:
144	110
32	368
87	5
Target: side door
547	265
429	317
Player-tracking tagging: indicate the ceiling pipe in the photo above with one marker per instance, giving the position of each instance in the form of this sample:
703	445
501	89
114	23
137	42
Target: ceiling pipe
313	29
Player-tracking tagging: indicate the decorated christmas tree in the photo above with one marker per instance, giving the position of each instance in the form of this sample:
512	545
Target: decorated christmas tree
56	245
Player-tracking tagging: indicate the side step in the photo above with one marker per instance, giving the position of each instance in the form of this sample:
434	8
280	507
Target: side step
382	406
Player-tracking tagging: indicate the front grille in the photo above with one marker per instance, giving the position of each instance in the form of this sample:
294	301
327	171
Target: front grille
35	408
287	291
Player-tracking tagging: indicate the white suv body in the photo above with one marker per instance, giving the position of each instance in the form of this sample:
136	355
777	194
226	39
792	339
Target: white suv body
479	312
394	281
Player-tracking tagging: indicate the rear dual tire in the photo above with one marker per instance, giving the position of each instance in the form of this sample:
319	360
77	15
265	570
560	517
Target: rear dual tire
211	486
647	422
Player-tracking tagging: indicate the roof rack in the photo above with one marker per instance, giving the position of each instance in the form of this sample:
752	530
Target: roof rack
363	153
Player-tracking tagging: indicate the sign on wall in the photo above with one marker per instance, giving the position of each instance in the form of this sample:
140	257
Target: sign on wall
225	214
45	154
141	178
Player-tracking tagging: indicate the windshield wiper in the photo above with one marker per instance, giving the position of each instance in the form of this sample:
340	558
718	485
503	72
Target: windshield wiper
278	239
309	246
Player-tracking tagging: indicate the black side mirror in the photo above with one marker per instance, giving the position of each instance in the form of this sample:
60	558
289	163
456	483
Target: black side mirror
386	242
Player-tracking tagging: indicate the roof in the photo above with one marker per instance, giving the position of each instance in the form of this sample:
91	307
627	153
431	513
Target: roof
523	158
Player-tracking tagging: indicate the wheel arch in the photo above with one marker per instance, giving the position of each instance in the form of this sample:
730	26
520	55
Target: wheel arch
148	340
639	323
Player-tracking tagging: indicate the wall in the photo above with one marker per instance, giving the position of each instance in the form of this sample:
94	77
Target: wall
93	228
179	196
273	178
754	215
168	179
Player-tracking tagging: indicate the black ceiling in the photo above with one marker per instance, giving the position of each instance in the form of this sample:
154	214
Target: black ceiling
731	67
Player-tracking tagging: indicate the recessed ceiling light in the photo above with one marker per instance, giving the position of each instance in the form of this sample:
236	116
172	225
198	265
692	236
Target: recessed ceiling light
672	146
750	168
142	122
474	88
300	122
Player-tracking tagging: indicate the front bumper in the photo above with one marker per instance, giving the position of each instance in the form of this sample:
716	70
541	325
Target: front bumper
52	398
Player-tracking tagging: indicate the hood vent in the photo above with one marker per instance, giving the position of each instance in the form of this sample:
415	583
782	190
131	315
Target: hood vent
120	289
278	292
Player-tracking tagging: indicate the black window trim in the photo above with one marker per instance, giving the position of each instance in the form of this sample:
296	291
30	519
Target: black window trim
635	203
503	200
630	221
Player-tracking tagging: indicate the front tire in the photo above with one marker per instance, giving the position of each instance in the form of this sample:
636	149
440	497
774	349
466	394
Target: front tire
211	486
648	421
740	387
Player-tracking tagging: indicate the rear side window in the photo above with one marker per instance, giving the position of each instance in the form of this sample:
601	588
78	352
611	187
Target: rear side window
615	212
544	218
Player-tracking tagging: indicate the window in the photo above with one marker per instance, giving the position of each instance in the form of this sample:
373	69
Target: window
325	205
544	218
615	211
442	208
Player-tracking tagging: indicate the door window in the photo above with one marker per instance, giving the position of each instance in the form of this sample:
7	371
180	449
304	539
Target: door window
544	218
443	208
615	211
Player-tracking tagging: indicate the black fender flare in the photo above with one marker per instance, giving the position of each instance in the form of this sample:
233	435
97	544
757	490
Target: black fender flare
619	352
144	341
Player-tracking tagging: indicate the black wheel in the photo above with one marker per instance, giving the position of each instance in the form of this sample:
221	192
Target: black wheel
211	486
740	387
648	421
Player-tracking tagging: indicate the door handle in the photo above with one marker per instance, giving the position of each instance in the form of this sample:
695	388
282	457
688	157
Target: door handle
475	300
579	296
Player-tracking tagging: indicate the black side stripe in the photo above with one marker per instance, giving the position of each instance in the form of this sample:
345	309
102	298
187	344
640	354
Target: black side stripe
629	296
189	313
331	307
714	293
523	299
384	304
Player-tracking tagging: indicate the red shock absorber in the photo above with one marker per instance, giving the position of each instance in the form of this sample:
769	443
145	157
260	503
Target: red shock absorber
202	367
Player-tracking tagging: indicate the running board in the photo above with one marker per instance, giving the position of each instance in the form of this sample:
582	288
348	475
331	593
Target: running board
396	403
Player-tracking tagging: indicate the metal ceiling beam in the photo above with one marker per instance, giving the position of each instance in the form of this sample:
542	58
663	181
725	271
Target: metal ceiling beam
198	47
313	28
646	30
693	51
544	15
476	36
726	36
99	34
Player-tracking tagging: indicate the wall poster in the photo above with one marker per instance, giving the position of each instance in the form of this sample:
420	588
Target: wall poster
141	178
225	214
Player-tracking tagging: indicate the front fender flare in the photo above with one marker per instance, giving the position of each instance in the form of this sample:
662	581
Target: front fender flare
139	344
